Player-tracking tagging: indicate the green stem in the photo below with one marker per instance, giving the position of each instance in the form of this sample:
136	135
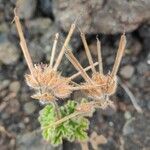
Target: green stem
57	109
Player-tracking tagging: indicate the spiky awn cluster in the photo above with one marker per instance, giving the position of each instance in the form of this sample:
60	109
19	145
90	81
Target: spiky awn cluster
100	86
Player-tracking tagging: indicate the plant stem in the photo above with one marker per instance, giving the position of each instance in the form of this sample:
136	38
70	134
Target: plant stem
63	120
57	110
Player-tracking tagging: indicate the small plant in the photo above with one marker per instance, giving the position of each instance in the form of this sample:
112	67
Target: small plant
69	121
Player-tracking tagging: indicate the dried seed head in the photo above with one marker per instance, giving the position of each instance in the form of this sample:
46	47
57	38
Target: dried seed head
93	91
48	81
45	97
102	85
109	84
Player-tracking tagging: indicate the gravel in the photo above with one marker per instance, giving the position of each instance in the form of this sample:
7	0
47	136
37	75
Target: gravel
127	71
29	108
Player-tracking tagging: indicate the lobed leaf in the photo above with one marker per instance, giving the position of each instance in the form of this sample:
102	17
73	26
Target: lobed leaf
72	129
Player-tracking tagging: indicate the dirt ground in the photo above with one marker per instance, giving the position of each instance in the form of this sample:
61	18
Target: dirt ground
125	128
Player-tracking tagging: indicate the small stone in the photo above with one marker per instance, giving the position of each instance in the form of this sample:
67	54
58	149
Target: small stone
29	108
128	127
109	111
46	7
13	106
5	116
114	17
136	47
26	120
21	125
127	71
111	124
4	84
33	142
148	59
4	27
110	60
8	53
142	68
14	86
127	115
148	105
127	130
36	51
12	142
26	8
39	25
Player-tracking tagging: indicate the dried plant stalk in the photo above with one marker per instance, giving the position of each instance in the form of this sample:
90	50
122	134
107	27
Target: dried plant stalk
54	50
77	65
79	73
76	113
64	46
90	86
23	44
99	56
87	52
120	53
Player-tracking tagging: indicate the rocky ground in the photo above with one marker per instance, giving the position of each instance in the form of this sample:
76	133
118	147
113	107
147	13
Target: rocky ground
125	128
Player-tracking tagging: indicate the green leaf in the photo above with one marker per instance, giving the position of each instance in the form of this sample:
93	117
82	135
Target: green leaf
47	115
68	108
72	129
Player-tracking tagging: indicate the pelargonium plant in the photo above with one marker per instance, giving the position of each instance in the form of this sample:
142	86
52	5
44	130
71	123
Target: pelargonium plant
69	120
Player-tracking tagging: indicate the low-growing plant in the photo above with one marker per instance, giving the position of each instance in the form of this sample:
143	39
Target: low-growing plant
69	120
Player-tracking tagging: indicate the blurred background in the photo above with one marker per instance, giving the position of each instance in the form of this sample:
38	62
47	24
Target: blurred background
127	127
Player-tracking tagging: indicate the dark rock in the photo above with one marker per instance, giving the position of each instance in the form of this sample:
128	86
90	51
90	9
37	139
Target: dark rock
4	84
139	139
8	52
26	8
1	10
101	16
4	28
46	7
127	71
33	141
142	68
39	25
36	51
144	32
148	59
14	86
13	106
29	108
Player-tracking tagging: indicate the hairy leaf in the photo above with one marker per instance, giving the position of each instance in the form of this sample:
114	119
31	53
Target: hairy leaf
72	129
